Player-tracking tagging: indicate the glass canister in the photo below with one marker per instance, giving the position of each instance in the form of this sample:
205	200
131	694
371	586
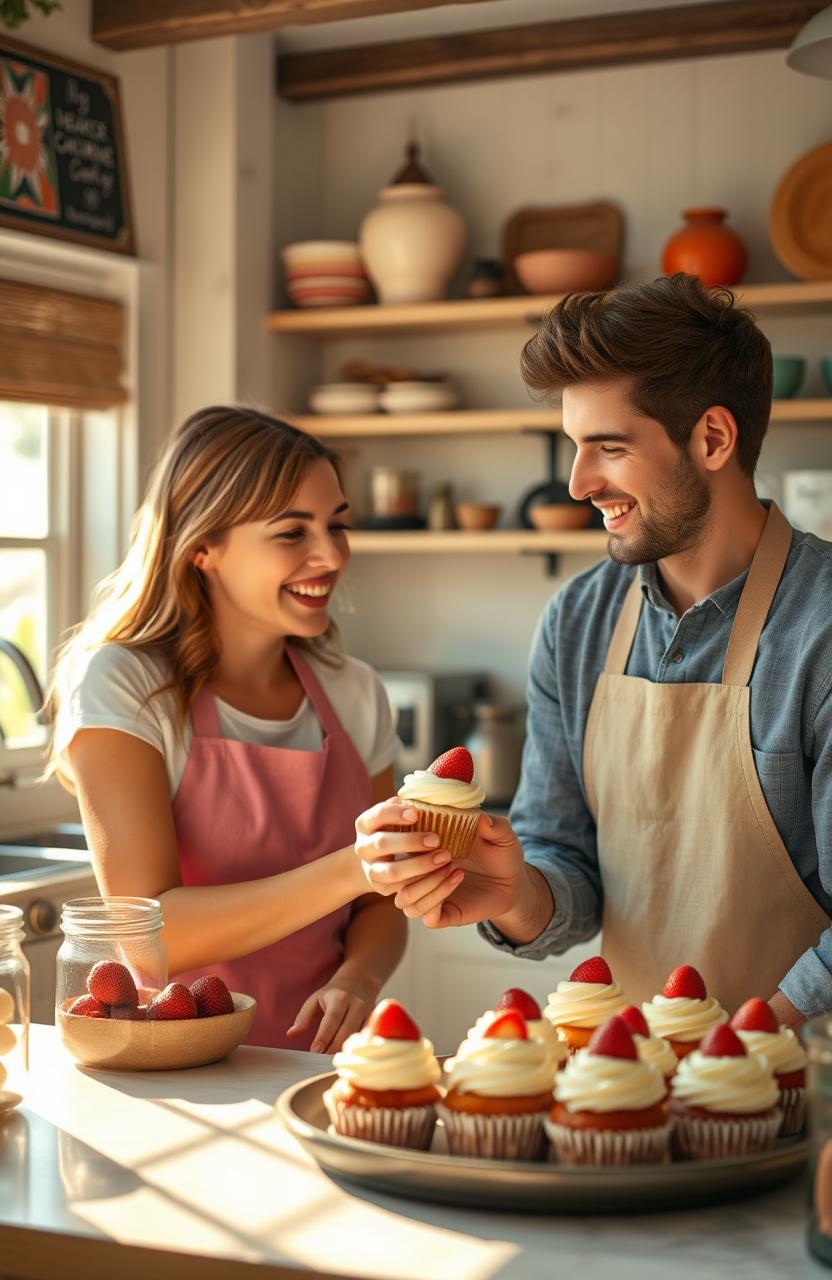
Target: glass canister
14	1009
126	930
816	1035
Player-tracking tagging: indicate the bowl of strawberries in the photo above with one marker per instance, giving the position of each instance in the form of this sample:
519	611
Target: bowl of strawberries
118	1026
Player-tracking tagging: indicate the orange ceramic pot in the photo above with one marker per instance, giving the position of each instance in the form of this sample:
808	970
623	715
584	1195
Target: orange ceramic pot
706	248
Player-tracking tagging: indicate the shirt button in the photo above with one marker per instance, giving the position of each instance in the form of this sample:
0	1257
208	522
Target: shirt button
677	656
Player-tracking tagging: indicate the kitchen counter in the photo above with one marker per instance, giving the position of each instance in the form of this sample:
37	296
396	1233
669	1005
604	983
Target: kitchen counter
176	1164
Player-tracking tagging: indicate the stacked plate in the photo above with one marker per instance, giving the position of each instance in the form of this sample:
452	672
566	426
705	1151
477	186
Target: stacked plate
325	273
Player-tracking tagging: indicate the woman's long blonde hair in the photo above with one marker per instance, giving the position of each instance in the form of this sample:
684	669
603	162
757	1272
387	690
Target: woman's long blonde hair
223	466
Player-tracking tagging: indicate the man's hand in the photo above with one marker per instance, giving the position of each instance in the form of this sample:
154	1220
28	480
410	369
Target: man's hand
343	1006
785	1012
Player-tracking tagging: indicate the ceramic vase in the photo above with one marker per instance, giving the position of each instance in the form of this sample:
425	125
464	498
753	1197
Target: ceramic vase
412	242
706	248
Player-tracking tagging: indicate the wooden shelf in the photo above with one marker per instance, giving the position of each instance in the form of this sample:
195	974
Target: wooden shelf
498	313
802	410
493	541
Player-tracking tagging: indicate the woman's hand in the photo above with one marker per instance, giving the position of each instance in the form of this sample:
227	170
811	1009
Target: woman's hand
392	859
343	1005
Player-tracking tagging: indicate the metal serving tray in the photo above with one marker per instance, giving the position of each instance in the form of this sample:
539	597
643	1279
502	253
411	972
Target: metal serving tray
534	1188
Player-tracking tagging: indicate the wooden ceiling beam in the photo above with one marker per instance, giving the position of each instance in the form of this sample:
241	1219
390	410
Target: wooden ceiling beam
607	40
140	24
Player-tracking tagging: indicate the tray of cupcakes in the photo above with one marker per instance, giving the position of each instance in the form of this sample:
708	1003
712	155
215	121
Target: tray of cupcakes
592	1105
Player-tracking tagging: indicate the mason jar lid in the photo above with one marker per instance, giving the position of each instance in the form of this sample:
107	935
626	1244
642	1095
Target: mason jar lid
103	917
11	924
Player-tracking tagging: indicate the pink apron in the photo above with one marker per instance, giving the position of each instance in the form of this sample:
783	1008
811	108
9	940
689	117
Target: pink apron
245	811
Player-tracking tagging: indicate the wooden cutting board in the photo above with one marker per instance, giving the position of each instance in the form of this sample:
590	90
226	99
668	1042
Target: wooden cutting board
800	217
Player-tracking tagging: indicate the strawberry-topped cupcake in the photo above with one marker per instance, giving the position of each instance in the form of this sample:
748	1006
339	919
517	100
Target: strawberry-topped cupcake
650	1049
446	800
608	1104
724	1100
588	999
499	1090
780	1049
683	1012
536	1025
386	1089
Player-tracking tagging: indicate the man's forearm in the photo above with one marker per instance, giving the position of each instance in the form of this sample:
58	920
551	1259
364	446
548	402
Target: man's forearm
532	911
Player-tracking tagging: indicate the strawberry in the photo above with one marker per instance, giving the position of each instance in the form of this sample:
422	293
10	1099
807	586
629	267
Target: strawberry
613	1040
755	1015
685	981
173	1003
722	1042
595	969
88	1007
212	996
509	1024
635	1020
456	763
391	1022
112	983
514	998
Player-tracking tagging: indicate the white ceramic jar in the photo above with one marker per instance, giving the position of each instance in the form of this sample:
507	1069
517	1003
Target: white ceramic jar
412	243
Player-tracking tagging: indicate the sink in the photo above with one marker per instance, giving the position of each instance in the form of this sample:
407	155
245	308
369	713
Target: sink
64	835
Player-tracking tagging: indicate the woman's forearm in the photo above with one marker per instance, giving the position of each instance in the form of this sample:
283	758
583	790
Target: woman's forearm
205	924
375	942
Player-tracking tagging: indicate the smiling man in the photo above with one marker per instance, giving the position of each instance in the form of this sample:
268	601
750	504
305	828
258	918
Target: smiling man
677	773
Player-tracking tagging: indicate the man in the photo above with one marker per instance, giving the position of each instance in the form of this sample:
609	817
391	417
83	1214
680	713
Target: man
677	772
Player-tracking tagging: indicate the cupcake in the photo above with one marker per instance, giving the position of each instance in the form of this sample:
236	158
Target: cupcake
780	1049
684	1012
608	1104
724	1100
499	1090
650	1049
386	1089
446	800
584	1002
536	1025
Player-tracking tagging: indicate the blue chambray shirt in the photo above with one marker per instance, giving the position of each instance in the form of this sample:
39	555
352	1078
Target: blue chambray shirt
791	733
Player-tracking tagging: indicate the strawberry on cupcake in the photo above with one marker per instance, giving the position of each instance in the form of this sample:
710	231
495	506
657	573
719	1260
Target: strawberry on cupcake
683	1012
583	1003
780	1049
386	1089
446	800
724	1100
608	1104
536	1025
650	1049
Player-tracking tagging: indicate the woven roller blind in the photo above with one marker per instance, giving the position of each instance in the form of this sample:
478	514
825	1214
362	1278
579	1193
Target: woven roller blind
60	348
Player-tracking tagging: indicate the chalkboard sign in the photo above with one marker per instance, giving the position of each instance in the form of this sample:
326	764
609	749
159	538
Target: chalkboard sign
63	170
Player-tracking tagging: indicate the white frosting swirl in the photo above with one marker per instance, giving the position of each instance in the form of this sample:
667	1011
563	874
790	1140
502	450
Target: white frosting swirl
737	1086
500	1067
657	1052
425	787
584	1004
682	1018
781	1050
371	1062
538	1028
591	1082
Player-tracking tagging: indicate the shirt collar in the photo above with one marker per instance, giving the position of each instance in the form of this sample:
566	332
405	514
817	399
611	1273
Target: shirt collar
725	598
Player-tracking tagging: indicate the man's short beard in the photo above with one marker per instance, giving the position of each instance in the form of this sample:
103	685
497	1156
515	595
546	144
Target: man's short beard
679	508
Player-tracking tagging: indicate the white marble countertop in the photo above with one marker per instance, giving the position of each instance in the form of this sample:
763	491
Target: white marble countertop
197	1162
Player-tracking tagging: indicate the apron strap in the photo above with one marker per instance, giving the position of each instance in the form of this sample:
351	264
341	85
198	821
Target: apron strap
314	691
757	596
204	715
625	630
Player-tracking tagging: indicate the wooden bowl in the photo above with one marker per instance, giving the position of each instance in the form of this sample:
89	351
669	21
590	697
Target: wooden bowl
476	515
565	270
548	516
111	1044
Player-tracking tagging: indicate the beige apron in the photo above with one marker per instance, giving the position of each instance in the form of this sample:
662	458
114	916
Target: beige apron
693	867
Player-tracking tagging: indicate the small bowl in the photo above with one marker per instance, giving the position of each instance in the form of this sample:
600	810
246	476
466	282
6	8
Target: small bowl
476	515
417	397
789	372
309	253
826	371
111	1044
344	397
548	516
565	270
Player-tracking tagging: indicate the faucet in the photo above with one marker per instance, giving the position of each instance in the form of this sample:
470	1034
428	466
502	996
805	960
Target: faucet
27	674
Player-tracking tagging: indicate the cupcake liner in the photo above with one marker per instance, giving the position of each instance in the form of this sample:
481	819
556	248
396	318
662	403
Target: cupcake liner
497	1137
609	1146
695	1138
793	1108
456	828
393	1126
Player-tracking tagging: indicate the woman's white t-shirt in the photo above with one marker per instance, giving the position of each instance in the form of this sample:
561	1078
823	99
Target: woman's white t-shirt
111	684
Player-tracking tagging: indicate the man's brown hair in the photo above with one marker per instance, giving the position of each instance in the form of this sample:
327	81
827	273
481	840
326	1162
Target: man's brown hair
684	348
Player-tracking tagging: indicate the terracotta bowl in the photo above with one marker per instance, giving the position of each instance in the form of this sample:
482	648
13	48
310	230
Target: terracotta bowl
560	515
156	1046
476	515
565	270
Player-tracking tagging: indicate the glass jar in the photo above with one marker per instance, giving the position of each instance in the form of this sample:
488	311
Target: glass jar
816	1035
14	1009
127	930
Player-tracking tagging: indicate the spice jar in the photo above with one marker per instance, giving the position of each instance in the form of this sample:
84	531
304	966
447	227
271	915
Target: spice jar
127	930
14	1009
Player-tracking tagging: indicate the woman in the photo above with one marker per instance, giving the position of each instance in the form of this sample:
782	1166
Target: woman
221	748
